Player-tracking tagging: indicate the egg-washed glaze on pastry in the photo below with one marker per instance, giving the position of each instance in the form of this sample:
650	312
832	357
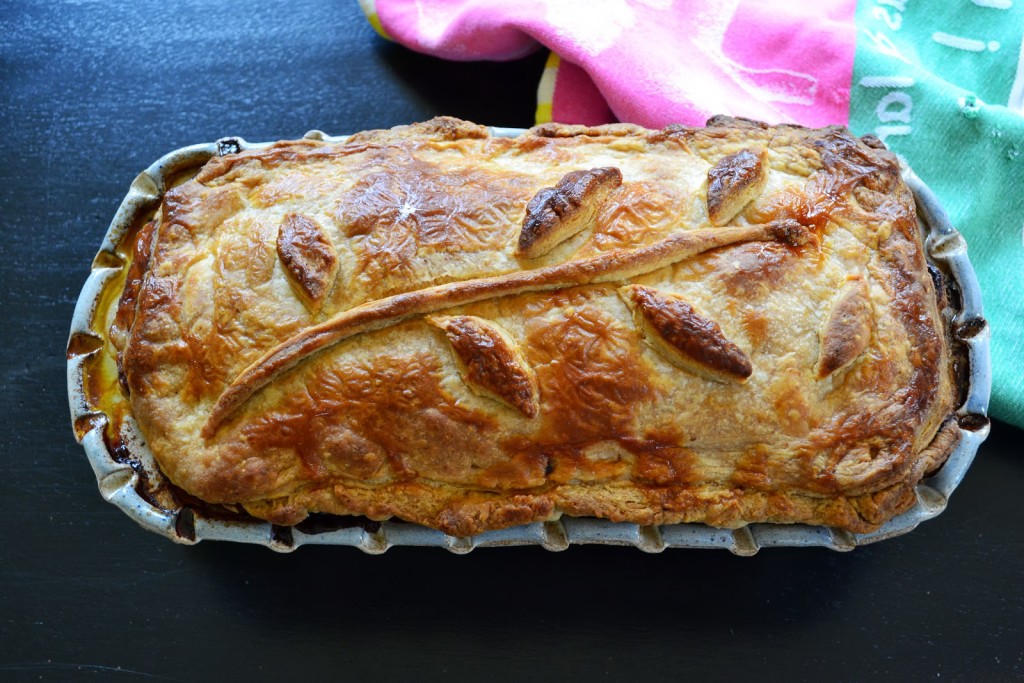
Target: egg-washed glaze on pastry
740	328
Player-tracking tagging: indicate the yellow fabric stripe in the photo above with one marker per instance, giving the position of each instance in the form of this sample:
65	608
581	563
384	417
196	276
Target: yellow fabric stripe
369	8
546	89
543	114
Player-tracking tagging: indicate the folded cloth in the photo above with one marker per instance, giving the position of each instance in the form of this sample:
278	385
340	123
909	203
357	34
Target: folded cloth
773	60
941	83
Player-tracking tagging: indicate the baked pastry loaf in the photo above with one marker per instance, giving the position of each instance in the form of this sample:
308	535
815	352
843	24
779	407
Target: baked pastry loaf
724	325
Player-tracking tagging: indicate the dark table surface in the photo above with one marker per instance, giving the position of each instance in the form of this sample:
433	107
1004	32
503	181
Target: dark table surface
91	93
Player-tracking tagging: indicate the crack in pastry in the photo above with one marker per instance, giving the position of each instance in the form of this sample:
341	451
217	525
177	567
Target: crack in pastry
309	259
557	213
490	362
847	331
685	337
733	182
375	315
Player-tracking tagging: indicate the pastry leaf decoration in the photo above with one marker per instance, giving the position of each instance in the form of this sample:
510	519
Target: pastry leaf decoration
489	362
685	337
847	330
733	182
308	257
557	213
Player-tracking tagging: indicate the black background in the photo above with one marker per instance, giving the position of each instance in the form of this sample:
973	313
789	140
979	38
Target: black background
91	93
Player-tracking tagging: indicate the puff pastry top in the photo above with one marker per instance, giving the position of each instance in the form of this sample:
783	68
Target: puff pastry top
725	325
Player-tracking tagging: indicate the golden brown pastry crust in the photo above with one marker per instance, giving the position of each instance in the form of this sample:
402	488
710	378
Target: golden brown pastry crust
340	396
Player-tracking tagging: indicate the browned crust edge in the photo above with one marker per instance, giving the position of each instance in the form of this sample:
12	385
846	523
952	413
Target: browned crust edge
457	512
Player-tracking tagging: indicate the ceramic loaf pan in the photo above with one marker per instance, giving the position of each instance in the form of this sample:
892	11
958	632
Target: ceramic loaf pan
128	476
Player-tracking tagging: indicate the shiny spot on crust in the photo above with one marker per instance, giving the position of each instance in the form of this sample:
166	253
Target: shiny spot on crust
489	361
847	331
684	337
308	257
733	182
589	372
557	213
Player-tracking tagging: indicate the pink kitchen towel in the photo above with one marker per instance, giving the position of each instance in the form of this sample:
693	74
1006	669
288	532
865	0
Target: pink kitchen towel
771	60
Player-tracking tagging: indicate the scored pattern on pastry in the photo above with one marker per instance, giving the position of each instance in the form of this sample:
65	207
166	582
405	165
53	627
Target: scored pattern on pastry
489	361
557	213
615	266
685	337
735	181
847	330
309	259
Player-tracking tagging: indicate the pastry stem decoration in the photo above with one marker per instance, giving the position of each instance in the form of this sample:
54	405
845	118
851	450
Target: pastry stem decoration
616	266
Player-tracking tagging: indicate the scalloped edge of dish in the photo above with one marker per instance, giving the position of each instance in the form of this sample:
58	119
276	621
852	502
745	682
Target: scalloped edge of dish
118	481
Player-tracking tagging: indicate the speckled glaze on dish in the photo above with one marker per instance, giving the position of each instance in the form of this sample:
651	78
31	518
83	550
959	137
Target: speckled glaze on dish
122	475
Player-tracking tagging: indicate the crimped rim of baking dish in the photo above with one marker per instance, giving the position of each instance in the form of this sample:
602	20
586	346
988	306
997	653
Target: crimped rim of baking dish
119	479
